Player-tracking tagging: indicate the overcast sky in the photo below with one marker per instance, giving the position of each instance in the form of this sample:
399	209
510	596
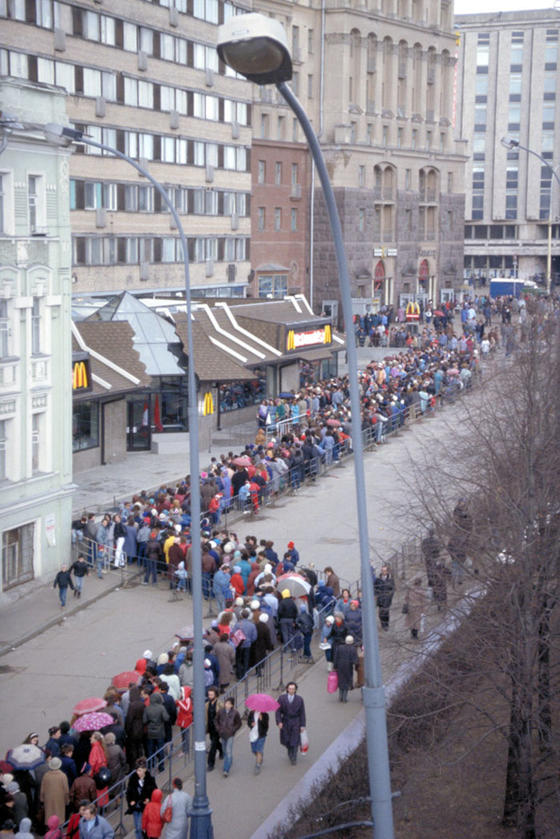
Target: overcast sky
465	7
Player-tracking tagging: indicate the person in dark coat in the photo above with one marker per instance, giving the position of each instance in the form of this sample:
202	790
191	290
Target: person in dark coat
138	793
345	660
134	727
263	645
384	589
155	717
287	616
290	719
64	581
154	556
431	549
171	708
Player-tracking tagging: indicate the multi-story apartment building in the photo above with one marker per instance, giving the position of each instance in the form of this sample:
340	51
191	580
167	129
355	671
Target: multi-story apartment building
144	78
508	86
35	355
377	79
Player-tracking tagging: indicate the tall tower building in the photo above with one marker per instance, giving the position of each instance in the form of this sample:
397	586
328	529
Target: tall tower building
508	87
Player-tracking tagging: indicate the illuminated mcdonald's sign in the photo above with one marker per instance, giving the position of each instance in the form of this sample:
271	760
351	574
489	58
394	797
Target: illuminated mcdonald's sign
308	337
208	404
81	376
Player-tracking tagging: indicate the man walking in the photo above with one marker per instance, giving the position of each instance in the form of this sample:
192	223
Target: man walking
80	569
290	719
63	580
215	742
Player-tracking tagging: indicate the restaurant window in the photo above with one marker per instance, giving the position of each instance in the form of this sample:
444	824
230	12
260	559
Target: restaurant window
236	395
85	425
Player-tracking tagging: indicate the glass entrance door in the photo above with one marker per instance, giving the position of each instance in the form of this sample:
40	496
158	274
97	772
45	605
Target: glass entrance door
138	428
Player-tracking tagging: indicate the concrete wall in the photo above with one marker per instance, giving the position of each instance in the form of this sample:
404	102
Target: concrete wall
115	431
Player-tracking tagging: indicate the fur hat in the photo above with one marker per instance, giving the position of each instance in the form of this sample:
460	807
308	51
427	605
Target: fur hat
55	763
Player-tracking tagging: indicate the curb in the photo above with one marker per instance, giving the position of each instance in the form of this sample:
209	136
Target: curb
23	639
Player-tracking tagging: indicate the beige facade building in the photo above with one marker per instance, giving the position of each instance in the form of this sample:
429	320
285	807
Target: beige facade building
144	78
377	79
508	86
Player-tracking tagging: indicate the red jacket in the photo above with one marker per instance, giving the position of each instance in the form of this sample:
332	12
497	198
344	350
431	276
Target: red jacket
152	823
184	708
238	584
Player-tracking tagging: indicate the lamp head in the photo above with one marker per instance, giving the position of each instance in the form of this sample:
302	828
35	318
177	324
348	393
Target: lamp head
509	142
255	46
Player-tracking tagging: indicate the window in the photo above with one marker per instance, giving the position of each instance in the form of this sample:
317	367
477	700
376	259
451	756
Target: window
310	86
277	219
515	83
33	184
361	219
361	176
477	206
85	425
511	178
206	10
130	37
480	112
261	219
278	173
261	171
548	114
511	206
408	179
3	471
310	41
17	555
293	220
273	285
514	117
35	442
450	181
4	330
481	85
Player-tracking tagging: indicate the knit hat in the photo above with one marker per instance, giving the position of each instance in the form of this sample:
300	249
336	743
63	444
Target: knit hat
55	763
263	618
286	593
254	604
349	639
329	620
237	554
291	545
147	654
163	658
12	787
236	569
239	601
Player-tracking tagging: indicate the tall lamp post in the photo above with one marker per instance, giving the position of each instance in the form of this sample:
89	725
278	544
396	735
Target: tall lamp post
201	823
256	47
510	143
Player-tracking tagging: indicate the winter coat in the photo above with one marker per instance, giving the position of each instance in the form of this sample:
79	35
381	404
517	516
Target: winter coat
152	822
263	645
292	717
63	579
101	829
225	654
116	761
287	608
384	589
54	794
354	624
181	804
185	708
345	659
83	789
227	722
24	831
155	716
137	794
416	600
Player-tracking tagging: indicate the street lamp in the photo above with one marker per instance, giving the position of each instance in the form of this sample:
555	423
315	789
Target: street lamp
510	143
256	46
201	823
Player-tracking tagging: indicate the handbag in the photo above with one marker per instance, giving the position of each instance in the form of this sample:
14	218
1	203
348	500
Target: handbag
332	682
304	741
238	637
167	814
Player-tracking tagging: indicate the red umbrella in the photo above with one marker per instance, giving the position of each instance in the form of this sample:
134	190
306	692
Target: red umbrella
243	461
86	706
261	702
93	722
122	680
438	313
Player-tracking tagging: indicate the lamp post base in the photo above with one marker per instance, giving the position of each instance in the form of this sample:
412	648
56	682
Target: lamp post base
201	822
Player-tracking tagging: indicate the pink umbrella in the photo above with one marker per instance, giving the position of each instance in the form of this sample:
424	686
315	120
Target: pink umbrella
243	461
93	722
122	680
261	702
86	706
333	422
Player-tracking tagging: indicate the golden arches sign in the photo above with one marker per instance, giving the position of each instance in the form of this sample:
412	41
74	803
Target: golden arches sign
308	338
80	377
208	404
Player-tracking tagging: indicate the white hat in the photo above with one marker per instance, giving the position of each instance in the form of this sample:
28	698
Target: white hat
147	654
267	568
228	547
329	620
254	604
239	601
263	618
177	528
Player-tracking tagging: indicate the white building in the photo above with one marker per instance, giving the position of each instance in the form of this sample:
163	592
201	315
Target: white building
508	86
35	355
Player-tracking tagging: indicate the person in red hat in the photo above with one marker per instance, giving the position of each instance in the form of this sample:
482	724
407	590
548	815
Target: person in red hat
294	554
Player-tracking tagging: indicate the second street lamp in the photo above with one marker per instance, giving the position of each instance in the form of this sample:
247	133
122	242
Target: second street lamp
256	46
510	143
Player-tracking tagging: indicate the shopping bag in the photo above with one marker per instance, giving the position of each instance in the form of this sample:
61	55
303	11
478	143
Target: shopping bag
332	682
304	741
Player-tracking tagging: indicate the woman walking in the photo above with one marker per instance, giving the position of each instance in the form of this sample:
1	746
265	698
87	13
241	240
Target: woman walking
345	660
181	805
384	590
258	729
